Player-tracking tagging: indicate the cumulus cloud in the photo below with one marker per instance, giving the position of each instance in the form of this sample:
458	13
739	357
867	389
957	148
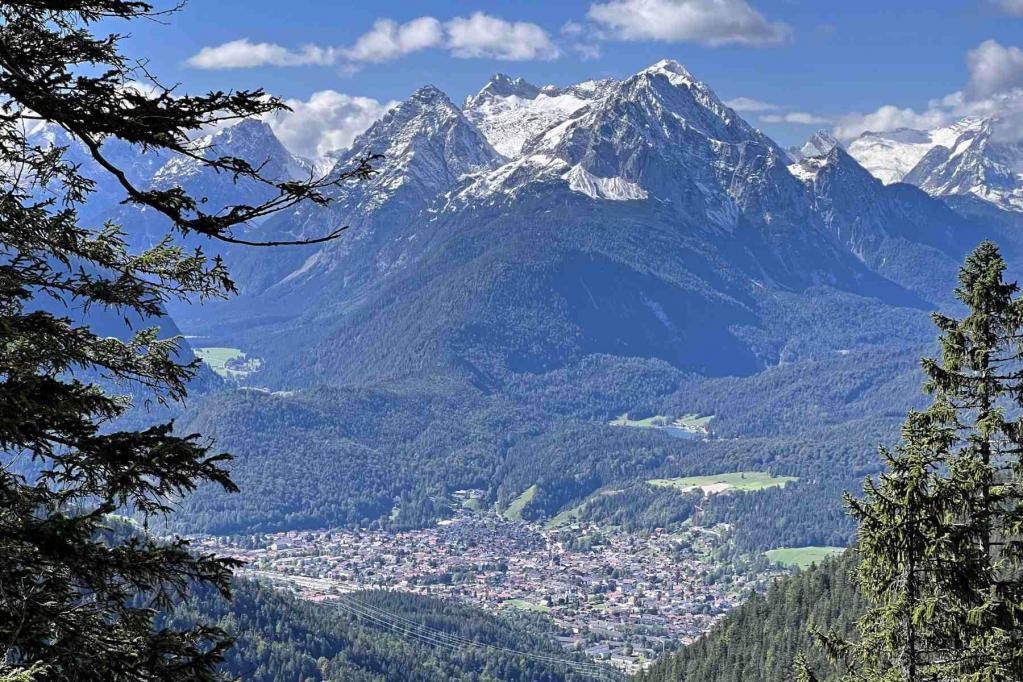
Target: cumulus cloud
994	89
748	104
244	54
767	112
482	35
1014	7
887	117
994	69
326	122
477	36
800	117
389	40
710	22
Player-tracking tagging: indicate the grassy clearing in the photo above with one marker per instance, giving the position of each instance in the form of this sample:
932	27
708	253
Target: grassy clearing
745	481
219	358
524	605
801	556
514	510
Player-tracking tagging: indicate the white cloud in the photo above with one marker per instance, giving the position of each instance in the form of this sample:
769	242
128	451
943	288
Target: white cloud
243	54
887	117
710	22
482	35
800	117
388	40
748	104
326	122
477	36
1010	6
572	28
994	89
994	69
587	51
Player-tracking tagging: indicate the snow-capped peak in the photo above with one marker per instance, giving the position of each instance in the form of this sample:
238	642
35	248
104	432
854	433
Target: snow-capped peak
659	135
509	112
250	139
674	71
426	145
502	85
820	143
890	155
963	158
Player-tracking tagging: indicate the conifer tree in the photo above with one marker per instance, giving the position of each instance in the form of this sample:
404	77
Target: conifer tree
78	598
940	532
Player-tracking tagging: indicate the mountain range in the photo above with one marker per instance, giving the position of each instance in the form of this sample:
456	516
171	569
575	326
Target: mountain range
527	267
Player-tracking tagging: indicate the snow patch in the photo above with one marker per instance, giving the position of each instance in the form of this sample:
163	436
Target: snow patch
890	156
611	189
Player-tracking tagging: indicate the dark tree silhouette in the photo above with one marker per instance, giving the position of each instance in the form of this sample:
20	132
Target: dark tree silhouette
78	596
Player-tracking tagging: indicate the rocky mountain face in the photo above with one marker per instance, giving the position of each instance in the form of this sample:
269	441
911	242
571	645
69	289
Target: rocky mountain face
426	146
964	158
896	230
633	218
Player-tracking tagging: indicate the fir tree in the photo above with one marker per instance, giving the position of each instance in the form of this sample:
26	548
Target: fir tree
78	597
940	530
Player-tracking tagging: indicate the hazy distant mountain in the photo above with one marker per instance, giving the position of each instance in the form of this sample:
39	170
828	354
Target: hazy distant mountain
107	191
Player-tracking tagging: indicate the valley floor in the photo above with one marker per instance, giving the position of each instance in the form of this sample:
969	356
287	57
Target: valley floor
620	597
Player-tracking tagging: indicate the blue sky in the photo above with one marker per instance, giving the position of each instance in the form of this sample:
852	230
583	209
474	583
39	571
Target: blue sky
819	61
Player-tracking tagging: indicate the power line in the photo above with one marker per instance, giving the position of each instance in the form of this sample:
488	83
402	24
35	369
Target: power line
447	639
424	633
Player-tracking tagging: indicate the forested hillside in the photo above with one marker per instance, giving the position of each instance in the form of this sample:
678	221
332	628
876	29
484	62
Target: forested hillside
758	641
281	638
409	445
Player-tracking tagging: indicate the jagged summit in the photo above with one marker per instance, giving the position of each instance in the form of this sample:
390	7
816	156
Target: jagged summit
249	139
976	164
428	94
510	112
246	129
674	70
502	85
827	166
821	142
658	134
426	146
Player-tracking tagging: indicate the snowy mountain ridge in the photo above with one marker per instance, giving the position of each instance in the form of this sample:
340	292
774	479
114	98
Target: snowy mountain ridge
510	112
964	158
889	156
819	144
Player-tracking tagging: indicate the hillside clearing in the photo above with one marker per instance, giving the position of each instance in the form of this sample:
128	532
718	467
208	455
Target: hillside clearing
514	510
230	363
744	481
801	556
